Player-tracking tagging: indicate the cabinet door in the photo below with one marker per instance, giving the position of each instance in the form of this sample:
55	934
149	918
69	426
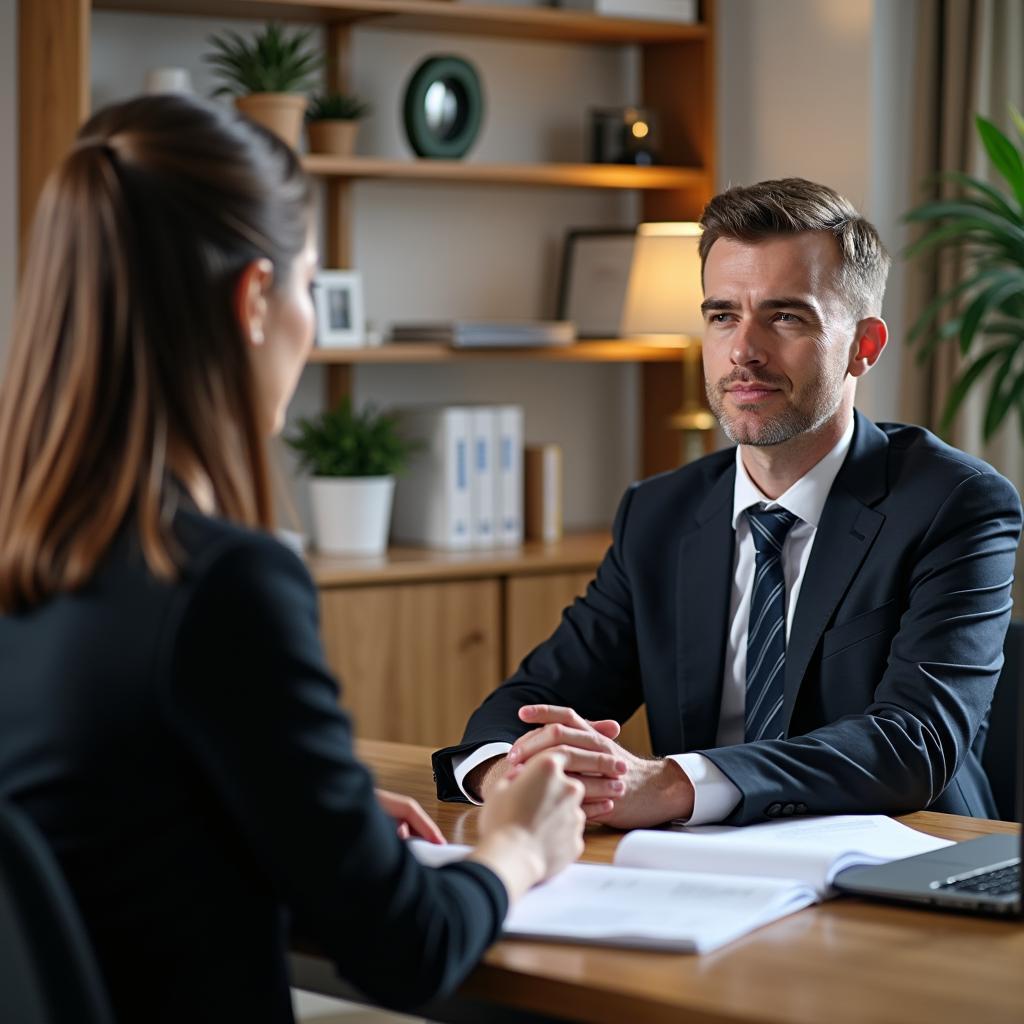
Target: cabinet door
414	659
533	608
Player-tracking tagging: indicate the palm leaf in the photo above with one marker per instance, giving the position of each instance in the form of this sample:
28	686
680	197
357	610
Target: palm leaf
965	381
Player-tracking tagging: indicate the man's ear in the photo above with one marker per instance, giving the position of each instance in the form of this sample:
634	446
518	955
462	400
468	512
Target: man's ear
872	334
250	299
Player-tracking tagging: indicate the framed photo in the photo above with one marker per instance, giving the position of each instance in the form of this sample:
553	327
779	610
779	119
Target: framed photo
338	301
595	274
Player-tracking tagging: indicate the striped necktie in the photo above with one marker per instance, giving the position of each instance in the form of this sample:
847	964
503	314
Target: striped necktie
766	631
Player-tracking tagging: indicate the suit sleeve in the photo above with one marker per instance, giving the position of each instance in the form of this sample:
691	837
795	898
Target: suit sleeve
589	663
907	746
251	700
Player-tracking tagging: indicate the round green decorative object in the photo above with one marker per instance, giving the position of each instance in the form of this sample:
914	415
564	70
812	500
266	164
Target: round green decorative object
444	107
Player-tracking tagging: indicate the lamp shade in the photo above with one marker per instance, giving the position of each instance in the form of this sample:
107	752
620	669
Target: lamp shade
664	291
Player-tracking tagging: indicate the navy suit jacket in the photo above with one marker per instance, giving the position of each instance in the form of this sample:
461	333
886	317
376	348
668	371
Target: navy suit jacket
893	654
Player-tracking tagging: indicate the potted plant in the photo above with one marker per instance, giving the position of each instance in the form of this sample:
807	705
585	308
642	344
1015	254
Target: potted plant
985	225
353	458
332	121
267	74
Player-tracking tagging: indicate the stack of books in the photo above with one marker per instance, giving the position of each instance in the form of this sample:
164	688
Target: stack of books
488	333
682	11
464	484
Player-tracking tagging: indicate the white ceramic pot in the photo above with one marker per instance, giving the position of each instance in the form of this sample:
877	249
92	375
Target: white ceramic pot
352	515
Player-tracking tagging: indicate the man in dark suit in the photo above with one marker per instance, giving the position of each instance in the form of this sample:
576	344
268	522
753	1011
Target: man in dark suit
814	620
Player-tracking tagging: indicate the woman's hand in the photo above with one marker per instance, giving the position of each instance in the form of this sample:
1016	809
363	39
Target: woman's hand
532	825
412	819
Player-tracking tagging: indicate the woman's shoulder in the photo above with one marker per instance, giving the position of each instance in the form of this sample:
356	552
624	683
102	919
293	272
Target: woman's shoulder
214	548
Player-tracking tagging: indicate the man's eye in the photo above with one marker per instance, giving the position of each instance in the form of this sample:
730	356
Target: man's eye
787	318
718	318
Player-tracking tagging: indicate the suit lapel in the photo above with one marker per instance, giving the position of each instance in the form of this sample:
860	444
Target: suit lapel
846	531
704	582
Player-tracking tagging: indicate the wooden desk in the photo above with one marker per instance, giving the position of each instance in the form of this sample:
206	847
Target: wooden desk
845	962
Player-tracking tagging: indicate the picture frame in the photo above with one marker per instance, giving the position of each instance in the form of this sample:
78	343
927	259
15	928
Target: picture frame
593	280
338	302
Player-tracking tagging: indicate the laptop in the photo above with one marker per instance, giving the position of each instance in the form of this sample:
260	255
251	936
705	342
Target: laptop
980	876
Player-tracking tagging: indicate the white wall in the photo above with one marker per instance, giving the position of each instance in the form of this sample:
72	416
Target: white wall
8	164
820	89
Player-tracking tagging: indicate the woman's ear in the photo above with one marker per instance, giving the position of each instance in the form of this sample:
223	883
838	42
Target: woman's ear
251	292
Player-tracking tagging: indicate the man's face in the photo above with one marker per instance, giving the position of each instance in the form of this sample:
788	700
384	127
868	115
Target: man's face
778	338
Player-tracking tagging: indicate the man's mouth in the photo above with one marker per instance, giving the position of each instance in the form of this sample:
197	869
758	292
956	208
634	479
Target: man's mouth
750	391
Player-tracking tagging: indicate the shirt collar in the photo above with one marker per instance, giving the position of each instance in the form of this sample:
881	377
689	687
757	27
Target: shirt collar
806	498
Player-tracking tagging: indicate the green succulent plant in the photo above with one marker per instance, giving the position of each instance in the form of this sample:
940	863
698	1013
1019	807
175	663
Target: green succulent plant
337	106
269	61
984	224
341	442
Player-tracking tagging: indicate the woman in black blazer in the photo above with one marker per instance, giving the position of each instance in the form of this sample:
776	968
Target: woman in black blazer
166	716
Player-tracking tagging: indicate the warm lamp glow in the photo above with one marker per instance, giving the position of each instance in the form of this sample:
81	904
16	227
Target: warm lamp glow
663	299
640	129
664	292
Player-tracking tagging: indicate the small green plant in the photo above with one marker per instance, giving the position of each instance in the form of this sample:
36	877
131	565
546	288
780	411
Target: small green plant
984	225
270	61
340	442
337	106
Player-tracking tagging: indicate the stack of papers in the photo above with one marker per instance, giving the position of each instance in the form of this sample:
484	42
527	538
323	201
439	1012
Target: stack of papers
692	890
488	333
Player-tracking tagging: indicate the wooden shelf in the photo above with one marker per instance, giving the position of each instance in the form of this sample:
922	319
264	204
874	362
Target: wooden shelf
575	552
618	176
536	23
613	351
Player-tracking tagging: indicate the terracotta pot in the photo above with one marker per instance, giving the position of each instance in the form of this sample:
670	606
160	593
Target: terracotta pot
336	137
281	112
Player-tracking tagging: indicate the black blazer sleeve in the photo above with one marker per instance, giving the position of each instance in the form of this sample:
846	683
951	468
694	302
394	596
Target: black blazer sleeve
590	663
249	696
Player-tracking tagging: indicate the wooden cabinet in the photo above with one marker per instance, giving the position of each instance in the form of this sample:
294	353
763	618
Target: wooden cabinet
419	639
414	658
533	607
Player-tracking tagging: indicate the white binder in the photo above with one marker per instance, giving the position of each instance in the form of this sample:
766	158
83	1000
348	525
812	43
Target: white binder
483	485
509	500
432	497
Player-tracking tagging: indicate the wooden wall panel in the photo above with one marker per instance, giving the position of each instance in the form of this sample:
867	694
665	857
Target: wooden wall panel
414	659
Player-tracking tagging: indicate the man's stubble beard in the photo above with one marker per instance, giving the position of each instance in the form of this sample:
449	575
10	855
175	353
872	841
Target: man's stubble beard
796	418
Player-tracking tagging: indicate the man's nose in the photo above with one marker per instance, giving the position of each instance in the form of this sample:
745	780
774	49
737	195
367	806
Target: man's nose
747	345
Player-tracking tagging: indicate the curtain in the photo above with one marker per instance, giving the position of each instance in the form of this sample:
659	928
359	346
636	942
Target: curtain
970	60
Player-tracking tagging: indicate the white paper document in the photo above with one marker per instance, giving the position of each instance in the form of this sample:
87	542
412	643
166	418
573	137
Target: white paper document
694	889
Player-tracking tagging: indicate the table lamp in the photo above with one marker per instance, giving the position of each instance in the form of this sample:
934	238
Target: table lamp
663	300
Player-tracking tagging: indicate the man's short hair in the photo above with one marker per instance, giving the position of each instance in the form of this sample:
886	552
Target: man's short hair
790	206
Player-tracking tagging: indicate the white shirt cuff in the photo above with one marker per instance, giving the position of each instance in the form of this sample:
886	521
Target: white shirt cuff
463	764
714	795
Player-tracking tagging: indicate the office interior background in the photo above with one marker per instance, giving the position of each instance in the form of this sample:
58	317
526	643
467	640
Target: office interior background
822	89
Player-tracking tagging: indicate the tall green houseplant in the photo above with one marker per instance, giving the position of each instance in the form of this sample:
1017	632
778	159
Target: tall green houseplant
984	225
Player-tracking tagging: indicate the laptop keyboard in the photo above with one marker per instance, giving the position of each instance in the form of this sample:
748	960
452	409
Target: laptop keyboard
1002	881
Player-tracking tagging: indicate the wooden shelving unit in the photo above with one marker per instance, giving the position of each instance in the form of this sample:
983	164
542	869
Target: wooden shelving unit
613	176
427	632
576	552
453	18
612	351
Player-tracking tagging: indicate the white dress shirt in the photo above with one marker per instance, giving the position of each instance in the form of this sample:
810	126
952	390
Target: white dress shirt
714	795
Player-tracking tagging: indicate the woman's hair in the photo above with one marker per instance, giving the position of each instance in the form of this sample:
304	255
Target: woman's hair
127	360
